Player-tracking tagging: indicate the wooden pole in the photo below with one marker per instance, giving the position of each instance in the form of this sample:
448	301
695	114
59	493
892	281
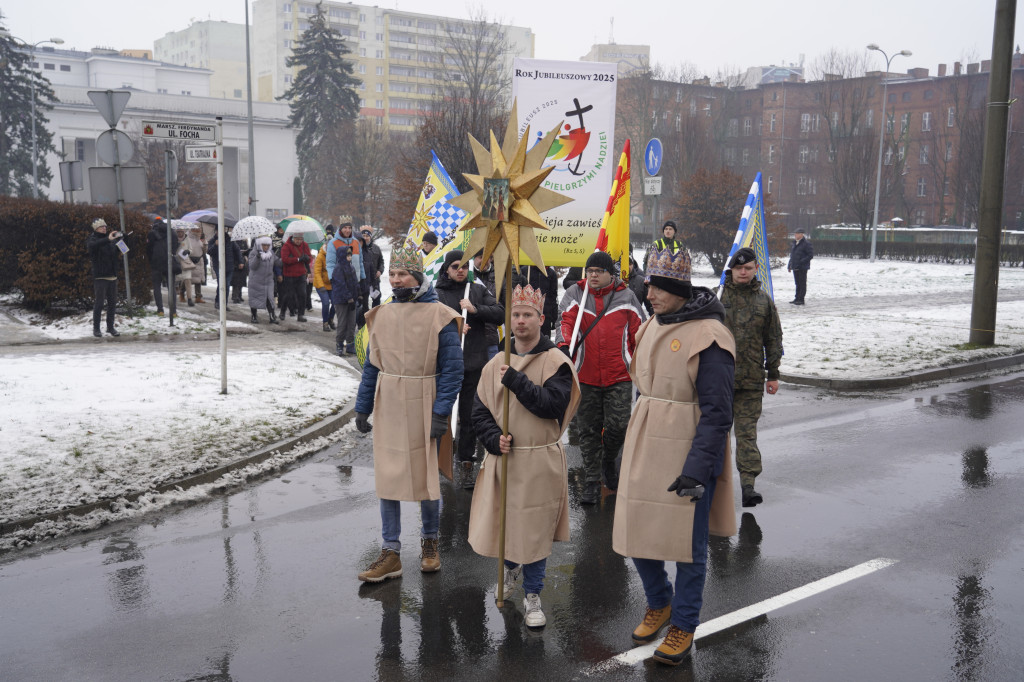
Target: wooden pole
504	432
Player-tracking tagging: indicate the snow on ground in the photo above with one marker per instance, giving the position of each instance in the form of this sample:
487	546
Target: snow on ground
98	425
79	326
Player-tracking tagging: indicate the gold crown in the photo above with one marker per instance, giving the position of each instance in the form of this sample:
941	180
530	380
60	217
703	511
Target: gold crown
665	263
528	296
345	220
407	257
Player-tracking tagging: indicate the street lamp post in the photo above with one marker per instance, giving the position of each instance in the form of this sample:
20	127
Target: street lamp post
881	139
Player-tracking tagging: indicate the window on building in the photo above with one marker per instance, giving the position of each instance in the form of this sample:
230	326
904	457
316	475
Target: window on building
831	153
949	151
379	36
801	185
734	128
771	124
835	120
362	35
768	188
951	117
771	153
362	18
945	187
362	52
816	123
888	156
803	153
805	123
746	157
919	216
379	54
287	44
693	106
287	25
904	124
49	67
775	96
238	92
161	91
286	7
65	67
679	122
889	123
380	104
869	121
80	150
679	94
362	103
748	127
303	25
922	156
380	70
184	92
288	78
730	156
901	153
362	68
379	87
891	99
926	121
928	94
906	97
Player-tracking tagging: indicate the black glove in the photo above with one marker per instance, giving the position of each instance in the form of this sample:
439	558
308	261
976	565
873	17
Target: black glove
304	258
363	422
438	425
684	486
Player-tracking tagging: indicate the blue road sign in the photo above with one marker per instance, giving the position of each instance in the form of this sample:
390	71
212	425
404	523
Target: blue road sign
653	156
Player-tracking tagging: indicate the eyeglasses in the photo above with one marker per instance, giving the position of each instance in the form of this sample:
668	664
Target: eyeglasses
596	271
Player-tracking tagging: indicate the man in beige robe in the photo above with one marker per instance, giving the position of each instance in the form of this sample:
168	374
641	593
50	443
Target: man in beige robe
676	481
412	374
545	394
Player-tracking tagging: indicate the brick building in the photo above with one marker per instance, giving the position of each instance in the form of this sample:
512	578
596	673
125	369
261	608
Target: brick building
816	143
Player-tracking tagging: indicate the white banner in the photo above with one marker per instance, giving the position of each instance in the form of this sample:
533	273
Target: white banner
582	96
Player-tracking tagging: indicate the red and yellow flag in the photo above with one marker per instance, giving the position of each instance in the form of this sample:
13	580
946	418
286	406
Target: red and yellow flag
616	216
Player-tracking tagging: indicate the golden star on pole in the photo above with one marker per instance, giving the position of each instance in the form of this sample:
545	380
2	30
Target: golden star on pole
503	238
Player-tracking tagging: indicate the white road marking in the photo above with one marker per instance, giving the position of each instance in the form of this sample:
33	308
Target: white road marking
634	656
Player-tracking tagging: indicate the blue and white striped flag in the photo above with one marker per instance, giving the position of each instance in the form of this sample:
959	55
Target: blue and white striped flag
752	233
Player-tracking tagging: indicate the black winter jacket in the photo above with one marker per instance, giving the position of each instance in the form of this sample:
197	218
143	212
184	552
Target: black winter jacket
488	310
800	255
547	282
373	261
547	402
104	255
156	249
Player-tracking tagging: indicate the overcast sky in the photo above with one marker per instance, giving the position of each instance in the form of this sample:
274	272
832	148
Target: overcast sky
727	35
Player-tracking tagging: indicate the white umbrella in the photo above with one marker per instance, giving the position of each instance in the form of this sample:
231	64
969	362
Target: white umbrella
183	225
251	227
305	228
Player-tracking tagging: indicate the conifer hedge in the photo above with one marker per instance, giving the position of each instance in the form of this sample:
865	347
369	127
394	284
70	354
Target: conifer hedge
43	254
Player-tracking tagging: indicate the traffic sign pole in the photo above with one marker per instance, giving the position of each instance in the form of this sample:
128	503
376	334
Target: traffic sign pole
653	156
171	177
223	275
120	213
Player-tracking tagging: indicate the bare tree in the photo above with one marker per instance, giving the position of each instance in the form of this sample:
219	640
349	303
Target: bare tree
845	105
367	186
197	182
470	93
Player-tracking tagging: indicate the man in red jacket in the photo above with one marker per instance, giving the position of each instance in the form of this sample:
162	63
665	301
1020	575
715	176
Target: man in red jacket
296	257
604	348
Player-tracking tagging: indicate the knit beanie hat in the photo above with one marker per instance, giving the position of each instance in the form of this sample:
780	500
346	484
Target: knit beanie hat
600	259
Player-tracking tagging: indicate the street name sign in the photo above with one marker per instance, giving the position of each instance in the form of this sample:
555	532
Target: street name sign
201	154
176	130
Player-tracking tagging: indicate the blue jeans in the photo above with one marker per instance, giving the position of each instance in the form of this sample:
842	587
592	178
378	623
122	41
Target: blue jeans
689	588
492	351
391	521
326	307
533	575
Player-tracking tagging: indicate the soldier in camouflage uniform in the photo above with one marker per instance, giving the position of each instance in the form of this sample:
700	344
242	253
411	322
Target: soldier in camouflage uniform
753	320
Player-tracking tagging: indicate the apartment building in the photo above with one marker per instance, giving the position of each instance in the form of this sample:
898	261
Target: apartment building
397	55
215	45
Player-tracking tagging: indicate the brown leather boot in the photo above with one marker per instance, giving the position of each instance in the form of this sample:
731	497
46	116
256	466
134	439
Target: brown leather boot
675	648
654	621
430	560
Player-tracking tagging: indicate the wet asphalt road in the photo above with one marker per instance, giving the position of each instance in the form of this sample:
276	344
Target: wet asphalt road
260	584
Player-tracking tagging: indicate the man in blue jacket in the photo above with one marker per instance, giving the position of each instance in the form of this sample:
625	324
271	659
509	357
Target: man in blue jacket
799	263
412	374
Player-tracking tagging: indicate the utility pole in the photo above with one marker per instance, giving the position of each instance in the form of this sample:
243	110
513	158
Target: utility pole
990	207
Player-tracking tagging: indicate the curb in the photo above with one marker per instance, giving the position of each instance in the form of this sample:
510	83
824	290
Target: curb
881	383
321	428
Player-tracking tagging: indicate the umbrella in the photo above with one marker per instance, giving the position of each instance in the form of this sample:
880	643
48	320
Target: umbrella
251	227
208	217
310	229
183	225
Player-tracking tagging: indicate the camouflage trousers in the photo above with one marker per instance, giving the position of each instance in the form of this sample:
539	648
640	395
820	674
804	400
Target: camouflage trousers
746	410
602	418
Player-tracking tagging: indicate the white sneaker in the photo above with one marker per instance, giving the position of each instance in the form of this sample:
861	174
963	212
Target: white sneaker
534	616
511	577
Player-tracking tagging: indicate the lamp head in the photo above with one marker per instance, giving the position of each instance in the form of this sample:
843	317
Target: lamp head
873	46
906	53
57	41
